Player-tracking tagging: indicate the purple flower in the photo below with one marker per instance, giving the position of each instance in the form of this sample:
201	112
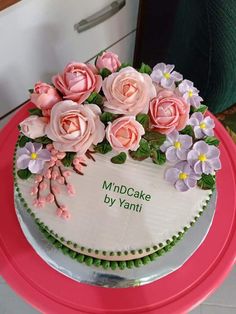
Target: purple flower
204	158
164	75
176	146
190	93
182	176
33	157
202	126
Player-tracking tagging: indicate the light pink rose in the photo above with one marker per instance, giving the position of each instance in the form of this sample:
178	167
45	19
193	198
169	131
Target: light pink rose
74	128
78	81
44	96
168	112
33	126
124	134
108	60
128	92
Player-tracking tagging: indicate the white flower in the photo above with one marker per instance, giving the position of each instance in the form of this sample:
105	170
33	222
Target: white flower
190	93
164	75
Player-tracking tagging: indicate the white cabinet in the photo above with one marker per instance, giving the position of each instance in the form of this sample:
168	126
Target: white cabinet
37	39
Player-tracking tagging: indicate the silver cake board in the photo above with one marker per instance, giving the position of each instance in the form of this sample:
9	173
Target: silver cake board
98	276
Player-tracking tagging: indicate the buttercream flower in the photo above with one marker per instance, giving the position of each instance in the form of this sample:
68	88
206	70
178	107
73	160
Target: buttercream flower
164	75
33	157
74	128
182	176
202	126
176	146
124	134
33	126
168	112
78	81
44	96
128	92
204	158
190	93
108	60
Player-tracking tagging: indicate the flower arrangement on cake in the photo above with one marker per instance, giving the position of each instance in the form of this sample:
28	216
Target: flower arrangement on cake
113	107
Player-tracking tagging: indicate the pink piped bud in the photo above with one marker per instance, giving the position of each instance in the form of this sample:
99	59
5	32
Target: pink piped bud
54	158
55	174
56	189
58	163
61	155
51	163
49	147
66	215
50	198
48	174
59	212
39	203
79	167
38	178
54	152
66	173
60	180
78	160
43	185
34	191
70	189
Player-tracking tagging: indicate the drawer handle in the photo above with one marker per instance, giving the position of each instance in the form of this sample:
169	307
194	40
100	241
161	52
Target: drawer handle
99	16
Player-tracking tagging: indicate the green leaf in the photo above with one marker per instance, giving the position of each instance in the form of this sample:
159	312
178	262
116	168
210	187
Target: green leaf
143	119
95	98
105	72
68	159
206	182
23	140
158	157
154	138
106	117
202	108
188	130
212	140
31	90
145	68
103	148
119	159
123	65
35	112
24	174
43	140
142	152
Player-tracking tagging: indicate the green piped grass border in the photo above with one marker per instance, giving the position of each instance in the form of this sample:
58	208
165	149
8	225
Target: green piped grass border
57	240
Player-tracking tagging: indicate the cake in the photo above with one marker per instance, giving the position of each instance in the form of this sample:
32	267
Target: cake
115	164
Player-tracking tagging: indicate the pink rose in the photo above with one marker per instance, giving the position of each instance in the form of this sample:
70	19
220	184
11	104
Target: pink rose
168	112
78	81
33	127
128	92
44	96
124	134
74	128
108	60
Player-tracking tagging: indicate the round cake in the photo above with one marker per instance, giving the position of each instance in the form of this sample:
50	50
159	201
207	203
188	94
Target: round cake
115	164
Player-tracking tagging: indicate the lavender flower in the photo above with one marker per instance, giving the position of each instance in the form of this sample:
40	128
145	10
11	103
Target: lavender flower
202	126
190	93
164	75
204	158
182	176
176	146
33	157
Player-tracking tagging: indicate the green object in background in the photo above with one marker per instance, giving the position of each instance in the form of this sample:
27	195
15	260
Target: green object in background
203	48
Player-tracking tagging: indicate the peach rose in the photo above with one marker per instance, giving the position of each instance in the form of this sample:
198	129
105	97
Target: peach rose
168	112
74	128
124	134
78	81
108	60
44	96
33	127
128	92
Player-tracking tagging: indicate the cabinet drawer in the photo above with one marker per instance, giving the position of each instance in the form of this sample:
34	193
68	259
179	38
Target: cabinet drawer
38	39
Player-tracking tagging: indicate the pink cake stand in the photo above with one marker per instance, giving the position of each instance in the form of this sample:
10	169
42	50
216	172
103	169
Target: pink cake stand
51	292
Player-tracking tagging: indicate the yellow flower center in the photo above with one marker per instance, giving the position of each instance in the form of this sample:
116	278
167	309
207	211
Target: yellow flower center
202	157
190	93
167	75
183	176
34	156
178	145
202	125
